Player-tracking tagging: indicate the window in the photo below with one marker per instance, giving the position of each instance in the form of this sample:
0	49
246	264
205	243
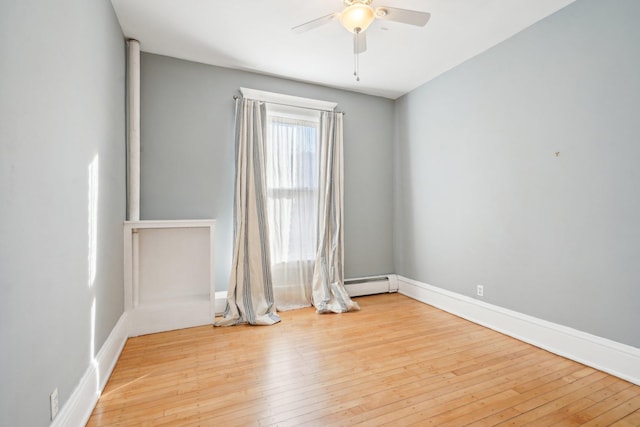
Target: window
292	187
292	171
291	157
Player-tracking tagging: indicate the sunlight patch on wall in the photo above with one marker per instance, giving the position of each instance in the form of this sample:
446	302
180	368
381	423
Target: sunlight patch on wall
93	219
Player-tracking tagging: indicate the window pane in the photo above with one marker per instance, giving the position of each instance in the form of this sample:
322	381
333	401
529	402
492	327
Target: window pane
291	155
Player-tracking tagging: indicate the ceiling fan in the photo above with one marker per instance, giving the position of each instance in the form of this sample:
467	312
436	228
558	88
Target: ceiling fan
358	15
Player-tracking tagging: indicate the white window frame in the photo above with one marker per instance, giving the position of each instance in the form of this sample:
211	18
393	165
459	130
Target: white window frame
284	100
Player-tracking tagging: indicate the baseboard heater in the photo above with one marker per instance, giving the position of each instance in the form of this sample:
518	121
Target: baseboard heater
371	285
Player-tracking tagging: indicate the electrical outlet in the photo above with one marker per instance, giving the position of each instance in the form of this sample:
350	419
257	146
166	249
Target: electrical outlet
480	290
53	399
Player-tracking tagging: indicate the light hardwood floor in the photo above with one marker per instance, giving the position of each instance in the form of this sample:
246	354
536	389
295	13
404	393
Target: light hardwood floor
395	362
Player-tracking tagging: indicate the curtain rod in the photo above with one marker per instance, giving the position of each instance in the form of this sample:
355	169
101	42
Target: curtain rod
236	97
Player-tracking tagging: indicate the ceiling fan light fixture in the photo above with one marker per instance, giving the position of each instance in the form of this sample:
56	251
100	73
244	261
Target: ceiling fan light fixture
358	15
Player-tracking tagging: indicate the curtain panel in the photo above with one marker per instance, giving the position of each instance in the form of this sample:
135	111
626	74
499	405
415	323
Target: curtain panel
250	295
328	292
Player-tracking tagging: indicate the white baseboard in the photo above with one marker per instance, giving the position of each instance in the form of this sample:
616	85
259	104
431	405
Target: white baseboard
612	357
162	317
77	410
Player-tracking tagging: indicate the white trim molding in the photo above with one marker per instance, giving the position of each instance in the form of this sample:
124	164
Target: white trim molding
603	354
77	410
293	101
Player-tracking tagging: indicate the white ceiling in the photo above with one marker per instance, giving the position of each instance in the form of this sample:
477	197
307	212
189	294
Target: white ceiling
255	35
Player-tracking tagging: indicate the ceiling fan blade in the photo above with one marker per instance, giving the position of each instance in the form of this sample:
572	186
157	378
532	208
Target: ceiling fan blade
411	17
314	24
359	42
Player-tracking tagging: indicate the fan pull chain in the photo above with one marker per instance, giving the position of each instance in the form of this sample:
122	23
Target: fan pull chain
356	54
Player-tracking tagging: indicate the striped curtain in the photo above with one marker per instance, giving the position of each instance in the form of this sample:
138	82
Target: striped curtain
250	294
328	292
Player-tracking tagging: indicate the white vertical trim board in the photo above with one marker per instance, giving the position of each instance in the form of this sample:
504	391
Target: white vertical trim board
133	130
77	410
612	357
221	303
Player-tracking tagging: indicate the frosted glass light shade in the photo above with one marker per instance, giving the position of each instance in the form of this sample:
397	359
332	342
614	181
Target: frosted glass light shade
357	15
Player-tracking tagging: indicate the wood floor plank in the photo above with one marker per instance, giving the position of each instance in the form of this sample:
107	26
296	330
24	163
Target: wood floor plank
395	362
615	414
631	420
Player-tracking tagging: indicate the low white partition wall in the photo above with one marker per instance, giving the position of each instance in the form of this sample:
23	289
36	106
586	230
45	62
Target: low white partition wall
169	276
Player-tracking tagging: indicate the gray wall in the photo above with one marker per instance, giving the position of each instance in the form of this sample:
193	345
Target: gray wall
481	197
187	159
61	106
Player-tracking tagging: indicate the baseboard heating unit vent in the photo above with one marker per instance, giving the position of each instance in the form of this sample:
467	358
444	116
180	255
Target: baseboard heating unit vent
371	285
